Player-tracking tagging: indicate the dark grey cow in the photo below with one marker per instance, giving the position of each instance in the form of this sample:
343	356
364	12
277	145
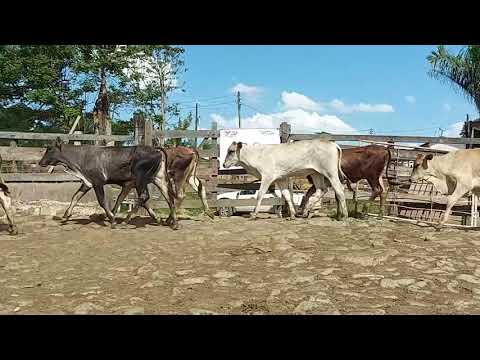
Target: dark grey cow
98	166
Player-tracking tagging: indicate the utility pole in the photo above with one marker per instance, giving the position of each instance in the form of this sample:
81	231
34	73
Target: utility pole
370	131
441	131
196	123
238	109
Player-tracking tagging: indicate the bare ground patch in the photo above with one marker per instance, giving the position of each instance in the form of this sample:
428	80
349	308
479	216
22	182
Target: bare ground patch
238	266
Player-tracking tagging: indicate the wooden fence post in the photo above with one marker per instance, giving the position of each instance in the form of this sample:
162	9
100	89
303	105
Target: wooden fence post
143	130
13	143
148	133
139	128
77	143
285	130
214	163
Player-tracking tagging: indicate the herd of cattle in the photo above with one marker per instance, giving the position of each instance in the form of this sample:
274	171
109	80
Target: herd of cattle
323	162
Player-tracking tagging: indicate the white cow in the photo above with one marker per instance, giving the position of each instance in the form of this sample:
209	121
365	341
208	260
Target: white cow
453	174
275	163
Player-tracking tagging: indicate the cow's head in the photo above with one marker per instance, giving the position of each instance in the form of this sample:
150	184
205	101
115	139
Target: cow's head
53	154
233	155
421	168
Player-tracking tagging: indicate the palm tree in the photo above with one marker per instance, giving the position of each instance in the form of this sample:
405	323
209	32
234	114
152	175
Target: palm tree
462	71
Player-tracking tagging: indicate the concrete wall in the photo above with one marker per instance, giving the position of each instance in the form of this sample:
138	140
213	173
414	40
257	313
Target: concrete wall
51	191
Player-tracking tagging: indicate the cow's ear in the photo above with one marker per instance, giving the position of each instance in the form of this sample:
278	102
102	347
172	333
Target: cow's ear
424	162
239	145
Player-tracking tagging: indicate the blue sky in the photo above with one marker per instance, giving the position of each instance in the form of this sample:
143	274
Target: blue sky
342	89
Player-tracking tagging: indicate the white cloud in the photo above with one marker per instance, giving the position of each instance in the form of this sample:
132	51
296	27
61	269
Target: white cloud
410	99
294	100
246	90
341	107
447	107
454	130
299	119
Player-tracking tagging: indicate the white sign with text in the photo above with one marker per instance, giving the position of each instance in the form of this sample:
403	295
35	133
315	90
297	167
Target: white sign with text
247	136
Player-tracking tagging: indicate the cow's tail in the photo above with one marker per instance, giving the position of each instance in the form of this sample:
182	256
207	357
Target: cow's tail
341	174
196	161
388	164
172	189
192	168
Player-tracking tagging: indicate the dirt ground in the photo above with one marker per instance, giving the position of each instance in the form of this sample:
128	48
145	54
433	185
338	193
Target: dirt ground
237	266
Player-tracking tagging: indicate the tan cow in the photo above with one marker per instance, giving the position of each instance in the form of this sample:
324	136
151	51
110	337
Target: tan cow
453	174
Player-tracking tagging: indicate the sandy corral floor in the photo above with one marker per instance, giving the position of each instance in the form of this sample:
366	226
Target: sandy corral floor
237	266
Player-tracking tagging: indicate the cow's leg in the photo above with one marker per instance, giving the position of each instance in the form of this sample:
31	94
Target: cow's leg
75	199
342	212
460	190
287	194
162	185
199	188
143	203
266	182
123	194
355	195
6	202
383	196
143	196
307	196
377	190
321	188
100	192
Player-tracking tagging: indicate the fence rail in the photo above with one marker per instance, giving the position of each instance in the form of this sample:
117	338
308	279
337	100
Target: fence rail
52	136
207	170
385	138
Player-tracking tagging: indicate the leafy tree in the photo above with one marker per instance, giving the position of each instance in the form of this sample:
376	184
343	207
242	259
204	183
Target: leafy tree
160	67
102	68
44	88
38	77
462	71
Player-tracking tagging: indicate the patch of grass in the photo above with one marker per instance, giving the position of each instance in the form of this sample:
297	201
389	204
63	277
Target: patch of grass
374	208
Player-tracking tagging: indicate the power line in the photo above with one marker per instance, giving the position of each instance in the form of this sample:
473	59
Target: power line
202	100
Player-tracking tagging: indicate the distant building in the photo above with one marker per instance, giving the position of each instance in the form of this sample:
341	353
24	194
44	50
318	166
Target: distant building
472	130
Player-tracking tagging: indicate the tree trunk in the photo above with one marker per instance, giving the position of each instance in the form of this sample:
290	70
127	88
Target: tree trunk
101	118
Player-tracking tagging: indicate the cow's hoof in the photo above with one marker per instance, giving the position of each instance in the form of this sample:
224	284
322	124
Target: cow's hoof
13	230
113	225
175	226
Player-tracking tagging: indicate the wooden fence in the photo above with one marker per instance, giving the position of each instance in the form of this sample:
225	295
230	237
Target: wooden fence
20	164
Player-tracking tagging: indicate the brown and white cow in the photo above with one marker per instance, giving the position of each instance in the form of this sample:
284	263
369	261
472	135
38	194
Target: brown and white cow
182	163
6	203
453	174
359	163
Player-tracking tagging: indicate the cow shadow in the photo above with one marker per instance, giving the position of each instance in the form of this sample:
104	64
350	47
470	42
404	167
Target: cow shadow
4	229
137	222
